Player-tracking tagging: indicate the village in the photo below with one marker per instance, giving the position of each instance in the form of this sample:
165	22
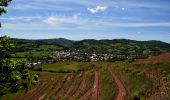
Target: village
82	57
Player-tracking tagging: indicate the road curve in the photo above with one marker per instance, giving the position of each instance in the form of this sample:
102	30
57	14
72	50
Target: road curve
121	90
94	91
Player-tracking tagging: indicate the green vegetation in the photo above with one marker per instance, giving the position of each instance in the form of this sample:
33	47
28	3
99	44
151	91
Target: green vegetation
107	86
116	46
11	96
122	47
3	3
33	55
14	75
62	67
73	66
161	72
137	83
71	77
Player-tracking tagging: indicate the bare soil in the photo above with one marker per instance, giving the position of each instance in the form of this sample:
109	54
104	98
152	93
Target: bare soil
121	90
161	58
81	87
93	93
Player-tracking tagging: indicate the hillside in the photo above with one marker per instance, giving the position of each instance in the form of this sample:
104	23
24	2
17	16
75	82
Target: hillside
34	45
99	80
115	46
122	46
57	41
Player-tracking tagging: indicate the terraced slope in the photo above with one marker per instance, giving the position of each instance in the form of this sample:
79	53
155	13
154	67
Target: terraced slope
119	81
93	93
58	87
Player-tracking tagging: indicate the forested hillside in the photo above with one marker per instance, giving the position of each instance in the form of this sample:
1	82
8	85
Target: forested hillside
122	46
115	46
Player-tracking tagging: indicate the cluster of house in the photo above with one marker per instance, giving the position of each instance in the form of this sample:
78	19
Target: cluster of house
77	56
38	63
67	55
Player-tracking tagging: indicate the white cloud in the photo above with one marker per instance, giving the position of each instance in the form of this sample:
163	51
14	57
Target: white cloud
21	18
97	9
40	6
58	20
123	9
135	25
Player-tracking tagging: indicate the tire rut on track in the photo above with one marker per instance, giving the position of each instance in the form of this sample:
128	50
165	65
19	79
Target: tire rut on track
121	89
93	93
30	92
80	88
54	90
64	88
74	86
40	95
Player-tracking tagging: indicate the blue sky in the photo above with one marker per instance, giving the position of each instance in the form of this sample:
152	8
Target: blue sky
88	19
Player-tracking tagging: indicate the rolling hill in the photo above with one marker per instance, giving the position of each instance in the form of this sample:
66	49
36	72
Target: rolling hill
115	46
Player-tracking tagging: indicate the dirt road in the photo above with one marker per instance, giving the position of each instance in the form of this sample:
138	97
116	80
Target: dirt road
94	91
121	90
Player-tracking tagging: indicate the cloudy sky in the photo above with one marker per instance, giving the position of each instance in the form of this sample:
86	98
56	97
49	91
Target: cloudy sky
88	19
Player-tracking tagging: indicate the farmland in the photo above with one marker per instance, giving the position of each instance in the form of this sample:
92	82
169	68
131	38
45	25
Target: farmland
71	80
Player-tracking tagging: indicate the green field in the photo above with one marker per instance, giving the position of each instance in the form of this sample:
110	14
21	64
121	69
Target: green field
72	66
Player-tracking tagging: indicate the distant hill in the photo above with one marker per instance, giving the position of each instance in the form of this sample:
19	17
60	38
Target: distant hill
122	46
57	41
115	46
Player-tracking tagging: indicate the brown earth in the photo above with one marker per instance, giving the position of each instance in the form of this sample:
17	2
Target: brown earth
93	93
121	90
155	76
161	58
65	87
158	82
81	87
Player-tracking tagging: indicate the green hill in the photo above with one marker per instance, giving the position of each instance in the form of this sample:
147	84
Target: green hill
121	46
115	46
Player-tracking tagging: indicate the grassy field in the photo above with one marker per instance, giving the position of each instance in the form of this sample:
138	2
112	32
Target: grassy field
34	54
72	66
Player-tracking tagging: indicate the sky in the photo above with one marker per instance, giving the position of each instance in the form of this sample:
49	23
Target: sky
87	19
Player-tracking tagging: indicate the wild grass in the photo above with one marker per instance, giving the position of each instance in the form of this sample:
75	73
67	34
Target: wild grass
137	83
107	87
73	66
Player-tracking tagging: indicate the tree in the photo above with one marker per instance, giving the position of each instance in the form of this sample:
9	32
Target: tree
3	3
14	74
6	47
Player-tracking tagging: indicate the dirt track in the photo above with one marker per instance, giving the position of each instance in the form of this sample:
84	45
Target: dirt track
81	87
94	92
122	93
